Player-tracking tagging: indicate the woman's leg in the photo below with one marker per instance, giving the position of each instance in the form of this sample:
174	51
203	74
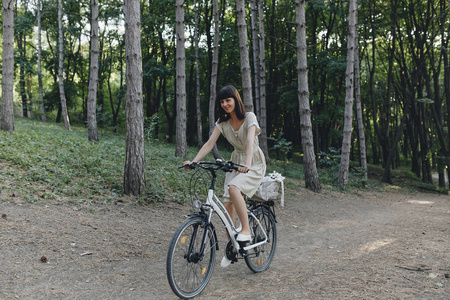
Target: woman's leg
232	212
240	207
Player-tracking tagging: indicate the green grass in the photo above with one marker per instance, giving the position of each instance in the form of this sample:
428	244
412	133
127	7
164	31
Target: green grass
44	161
63	163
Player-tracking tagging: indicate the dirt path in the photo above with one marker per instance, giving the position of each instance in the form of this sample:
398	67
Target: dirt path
390	245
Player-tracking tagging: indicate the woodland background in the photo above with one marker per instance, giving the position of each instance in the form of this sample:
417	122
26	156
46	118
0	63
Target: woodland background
403	61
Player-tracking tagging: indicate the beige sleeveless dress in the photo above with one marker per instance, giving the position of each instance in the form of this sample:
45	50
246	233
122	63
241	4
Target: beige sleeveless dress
246	182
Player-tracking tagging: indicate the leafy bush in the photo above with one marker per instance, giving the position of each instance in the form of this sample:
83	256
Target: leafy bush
329	165
280	145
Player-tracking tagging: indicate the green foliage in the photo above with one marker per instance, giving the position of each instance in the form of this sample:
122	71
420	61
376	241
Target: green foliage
23	23
329	165
150	125
331	159
287	93
280	145
425	100
104	117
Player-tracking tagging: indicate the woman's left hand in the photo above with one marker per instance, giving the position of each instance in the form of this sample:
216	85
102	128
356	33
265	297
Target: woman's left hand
243	169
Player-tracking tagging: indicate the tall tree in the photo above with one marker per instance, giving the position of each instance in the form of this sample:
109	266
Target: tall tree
39	52
93	76
197	79
255	51
7	117
214	67
243	51
349	92
62	94
309	158
359	114
181	143
134	174
23	60
446	87
382	125
262	80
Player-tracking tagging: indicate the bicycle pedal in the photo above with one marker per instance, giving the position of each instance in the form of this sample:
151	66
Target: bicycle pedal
242	245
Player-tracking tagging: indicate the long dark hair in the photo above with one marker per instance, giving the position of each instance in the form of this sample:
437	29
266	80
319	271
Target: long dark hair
230	91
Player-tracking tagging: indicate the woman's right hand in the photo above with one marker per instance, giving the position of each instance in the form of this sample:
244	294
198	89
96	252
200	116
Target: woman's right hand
189	164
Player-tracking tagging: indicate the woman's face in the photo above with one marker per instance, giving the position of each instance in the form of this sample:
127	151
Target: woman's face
228	105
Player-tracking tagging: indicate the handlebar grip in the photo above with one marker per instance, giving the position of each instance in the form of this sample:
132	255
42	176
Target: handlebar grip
230	166
190	166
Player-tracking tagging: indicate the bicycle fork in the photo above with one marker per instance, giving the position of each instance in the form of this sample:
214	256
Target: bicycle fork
208	234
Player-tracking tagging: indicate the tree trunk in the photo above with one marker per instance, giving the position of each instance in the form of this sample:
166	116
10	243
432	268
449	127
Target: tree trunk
383	135
181	143
21	46
447	90
348	113
62	95
7	119
255	51
243	51
93	76
262	81
120	95
359	115
387	170
309	158
197	81
41	100
170	118
372	68
213	84
101	63
134	173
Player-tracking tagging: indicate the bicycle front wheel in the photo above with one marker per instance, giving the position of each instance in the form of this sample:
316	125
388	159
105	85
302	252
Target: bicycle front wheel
259	258
191	258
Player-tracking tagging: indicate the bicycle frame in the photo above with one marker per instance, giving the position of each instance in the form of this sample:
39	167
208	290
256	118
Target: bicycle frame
213	204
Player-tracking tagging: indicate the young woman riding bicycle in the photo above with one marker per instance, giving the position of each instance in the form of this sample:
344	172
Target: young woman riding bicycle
241	129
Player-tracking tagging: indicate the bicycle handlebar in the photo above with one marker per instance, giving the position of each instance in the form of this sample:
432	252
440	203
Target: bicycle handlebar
227	166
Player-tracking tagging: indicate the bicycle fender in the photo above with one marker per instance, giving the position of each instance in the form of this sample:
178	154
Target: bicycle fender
200	214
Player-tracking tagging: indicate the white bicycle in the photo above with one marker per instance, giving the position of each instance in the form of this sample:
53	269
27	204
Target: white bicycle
192	252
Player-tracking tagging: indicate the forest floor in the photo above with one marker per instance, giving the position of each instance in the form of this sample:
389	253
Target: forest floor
385	244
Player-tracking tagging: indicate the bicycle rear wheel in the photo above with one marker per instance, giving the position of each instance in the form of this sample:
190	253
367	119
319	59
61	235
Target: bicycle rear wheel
259	258
191	258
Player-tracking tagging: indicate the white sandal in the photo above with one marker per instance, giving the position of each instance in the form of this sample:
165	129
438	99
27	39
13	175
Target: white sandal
225	262
243	238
